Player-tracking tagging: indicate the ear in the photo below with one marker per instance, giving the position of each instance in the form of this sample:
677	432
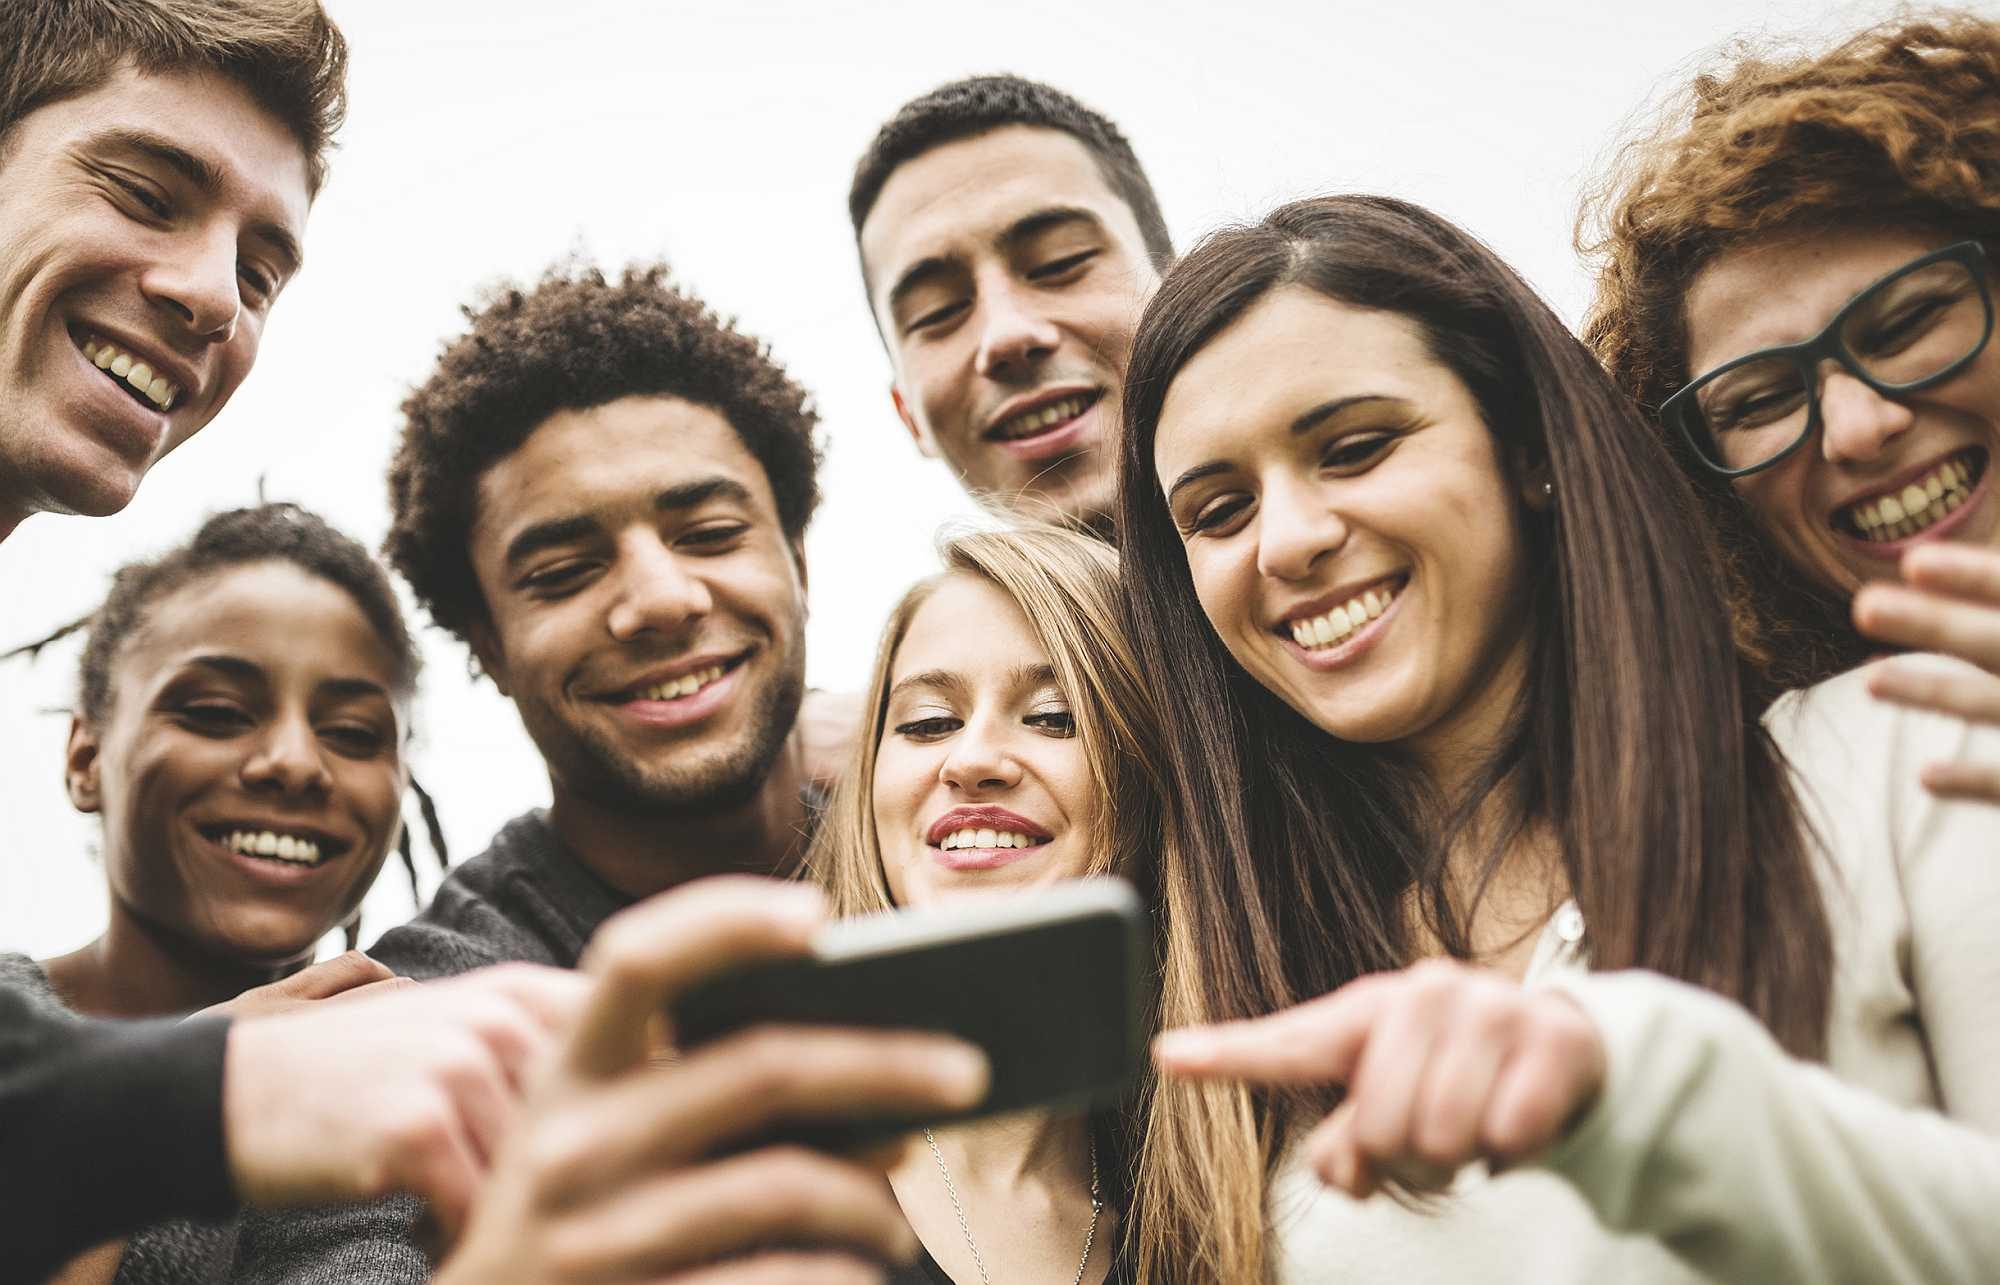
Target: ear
917	433
80	767
486	650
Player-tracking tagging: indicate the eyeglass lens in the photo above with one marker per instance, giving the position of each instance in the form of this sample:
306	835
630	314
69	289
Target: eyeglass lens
1900	332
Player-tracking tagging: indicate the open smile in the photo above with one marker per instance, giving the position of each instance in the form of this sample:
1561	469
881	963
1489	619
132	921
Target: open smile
1329	635
683	696
128	373
983	838
299	848
1930	504
1049	426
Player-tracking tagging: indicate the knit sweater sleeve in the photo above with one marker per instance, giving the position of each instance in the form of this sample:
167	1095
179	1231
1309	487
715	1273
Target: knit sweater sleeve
1754	1167
104	1127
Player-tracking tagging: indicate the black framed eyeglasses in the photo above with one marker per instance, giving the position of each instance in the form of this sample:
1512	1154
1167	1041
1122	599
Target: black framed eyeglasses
1917	326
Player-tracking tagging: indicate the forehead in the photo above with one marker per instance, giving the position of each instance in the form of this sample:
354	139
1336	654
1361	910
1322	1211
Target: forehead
285	619
210	117
955	200
611	460
1292	351
1782	288
970	627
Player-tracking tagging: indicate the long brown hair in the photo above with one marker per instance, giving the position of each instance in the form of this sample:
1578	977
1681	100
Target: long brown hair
1066	584
1298	854
1897	126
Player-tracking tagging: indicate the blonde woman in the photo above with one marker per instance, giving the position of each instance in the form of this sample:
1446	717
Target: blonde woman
1008	744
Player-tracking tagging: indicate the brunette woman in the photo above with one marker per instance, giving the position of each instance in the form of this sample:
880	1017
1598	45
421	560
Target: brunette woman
1009	744
1463	712
243	705
1798	277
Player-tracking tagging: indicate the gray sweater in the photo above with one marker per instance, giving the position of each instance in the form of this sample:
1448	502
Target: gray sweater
525	898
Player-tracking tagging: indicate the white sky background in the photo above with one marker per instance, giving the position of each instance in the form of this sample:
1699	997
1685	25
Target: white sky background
489	137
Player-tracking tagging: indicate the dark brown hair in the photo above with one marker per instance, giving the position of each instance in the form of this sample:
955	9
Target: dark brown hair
1300	854
980	104
287	53
573	341
1895	127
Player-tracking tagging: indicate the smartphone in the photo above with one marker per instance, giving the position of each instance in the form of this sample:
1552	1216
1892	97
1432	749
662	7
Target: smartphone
1054	984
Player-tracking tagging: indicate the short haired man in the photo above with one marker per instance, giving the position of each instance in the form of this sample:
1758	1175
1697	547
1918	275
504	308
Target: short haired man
603	489
157	159
1009	240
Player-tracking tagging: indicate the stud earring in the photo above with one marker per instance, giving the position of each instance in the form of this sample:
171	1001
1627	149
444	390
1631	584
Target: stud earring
1548	490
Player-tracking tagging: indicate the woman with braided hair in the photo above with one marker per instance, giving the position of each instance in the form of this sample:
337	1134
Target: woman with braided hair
243	706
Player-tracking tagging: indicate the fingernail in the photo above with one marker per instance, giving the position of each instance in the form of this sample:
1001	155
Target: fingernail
1189	1048
963	1069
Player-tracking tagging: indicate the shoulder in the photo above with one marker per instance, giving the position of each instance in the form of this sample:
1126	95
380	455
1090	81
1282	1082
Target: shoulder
1841	721
487	911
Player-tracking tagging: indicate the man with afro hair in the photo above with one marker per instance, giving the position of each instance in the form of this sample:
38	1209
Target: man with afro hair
603	490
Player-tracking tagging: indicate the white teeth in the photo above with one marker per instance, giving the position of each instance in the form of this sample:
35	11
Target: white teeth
685	685
1335	625
985	839
136	374
296	849
1916	506
1031	421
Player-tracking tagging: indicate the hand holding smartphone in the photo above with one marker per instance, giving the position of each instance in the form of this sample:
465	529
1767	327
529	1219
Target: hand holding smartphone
1054	984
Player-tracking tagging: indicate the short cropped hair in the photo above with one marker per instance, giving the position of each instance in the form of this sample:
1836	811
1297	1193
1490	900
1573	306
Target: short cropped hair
286	53
573	341
979	104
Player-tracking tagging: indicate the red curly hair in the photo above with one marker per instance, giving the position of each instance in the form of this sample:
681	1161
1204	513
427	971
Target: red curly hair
1897	127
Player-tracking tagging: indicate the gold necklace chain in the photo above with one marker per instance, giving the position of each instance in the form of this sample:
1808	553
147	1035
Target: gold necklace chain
965	1228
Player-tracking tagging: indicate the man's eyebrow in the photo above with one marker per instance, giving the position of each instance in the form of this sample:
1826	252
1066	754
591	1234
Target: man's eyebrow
206	176
543	535
688	495
918	275
1054	216
938	679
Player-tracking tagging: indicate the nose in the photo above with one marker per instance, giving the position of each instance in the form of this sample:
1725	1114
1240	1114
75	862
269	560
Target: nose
1857	423
287	759
981	760
1014	334
196	284
655	592
1295	528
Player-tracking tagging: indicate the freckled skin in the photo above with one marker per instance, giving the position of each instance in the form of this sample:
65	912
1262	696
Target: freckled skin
80	250
1782	289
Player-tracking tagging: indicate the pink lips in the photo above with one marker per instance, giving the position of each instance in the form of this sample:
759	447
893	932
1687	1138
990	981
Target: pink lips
983	817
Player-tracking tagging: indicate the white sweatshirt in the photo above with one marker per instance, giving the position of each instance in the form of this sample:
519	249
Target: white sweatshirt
1711	1155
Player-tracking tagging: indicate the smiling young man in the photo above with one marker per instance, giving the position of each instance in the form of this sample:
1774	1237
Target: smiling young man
1009	240
603	489
157	159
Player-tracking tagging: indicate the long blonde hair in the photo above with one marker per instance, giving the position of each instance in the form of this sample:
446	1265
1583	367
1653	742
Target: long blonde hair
1066	584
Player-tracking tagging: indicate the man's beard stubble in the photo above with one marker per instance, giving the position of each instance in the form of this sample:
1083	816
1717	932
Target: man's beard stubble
714	787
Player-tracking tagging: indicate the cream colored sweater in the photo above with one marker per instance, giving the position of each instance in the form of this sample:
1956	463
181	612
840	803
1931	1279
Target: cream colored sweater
1711	1155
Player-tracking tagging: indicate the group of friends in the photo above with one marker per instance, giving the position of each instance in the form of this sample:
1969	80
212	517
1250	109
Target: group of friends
1550	882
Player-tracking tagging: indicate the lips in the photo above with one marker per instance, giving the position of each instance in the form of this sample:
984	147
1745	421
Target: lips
984	821
280	842
1042	416
1917	503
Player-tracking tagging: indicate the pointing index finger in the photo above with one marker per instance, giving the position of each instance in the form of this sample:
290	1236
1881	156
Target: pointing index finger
1317	1042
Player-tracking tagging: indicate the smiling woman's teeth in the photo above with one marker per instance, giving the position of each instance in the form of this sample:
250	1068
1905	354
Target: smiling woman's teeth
133	373
1916	506
686	685
1336	625
986	839
1028	423
267	843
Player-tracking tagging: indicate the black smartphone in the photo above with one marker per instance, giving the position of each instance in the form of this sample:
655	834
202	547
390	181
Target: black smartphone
1054	984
